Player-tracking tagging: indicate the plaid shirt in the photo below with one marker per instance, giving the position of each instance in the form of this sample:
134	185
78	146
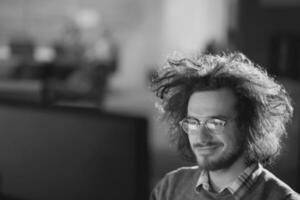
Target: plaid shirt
239	187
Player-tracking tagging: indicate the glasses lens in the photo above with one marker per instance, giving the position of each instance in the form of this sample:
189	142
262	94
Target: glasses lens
215	125
189	125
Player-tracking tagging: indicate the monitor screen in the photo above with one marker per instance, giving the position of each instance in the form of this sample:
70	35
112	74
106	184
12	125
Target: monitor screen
61	153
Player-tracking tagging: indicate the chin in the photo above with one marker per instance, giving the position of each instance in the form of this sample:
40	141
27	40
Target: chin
218	161
209	164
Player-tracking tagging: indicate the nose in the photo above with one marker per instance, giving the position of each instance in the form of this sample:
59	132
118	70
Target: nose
203	136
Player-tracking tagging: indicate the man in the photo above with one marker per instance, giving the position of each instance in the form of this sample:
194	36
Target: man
227	115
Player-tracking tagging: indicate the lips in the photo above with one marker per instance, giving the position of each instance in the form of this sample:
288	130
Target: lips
207	148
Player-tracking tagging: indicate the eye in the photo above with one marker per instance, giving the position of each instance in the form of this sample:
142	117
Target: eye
215	123
189	124
192	123
218	122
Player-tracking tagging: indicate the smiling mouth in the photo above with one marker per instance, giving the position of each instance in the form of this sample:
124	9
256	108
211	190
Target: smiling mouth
206	148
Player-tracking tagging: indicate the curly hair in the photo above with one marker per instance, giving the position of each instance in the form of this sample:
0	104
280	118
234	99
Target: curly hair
264	106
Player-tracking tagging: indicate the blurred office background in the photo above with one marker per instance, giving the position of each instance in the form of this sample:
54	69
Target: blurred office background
99	54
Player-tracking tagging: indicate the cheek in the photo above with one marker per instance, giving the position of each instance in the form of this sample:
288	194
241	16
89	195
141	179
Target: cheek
192	139
230	137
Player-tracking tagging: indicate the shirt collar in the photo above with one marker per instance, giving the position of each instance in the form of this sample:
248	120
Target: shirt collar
239	187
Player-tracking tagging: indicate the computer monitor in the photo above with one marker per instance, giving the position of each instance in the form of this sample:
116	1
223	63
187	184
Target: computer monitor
68	153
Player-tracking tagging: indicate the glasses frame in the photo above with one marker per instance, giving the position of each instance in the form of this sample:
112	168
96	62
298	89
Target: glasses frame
204	124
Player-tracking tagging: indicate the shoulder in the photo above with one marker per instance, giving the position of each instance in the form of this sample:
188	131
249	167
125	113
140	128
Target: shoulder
182	173
293	196
182	180
181	176
277	187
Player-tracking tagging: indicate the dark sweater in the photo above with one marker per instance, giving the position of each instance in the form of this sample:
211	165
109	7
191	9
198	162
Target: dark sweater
180	185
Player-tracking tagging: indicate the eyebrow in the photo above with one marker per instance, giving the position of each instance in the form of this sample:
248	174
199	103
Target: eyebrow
211	117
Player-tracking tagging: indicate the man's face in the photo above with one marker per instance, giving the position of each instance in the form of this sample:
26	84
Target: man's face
215	150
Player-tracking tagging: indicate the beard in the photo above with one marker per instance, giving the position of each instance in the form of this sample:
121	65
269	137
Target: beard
222	161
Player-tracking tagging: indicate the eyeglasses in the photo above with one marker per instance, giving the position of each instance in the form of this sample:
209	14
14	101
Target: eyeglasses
191	125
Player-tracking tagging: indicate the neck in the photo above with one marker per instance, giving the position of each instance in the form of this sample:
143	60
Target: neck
219	179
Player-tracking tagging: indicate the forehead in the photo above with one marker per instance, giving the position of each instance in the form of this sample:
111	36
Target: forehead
219	102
